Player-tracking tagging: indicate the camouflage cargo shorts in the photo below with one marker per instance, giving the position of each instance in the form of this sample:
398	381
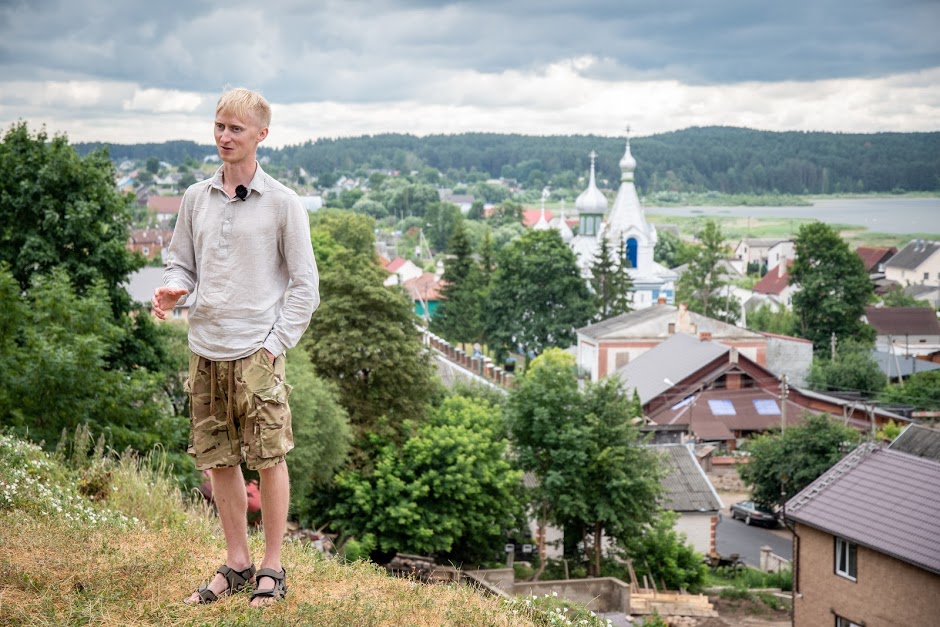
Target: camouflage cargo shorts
239	412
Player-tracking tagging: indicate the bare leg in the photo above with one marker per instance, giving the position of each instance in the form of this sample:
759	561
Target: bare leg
275	499
231	499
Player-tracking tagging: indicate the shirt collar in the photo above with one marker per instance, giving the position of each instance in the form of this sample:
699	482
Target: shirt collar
257	183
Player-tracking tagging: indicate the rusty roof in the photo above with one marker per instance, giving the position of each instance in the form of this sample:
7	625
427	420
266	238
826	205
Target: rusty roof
882	499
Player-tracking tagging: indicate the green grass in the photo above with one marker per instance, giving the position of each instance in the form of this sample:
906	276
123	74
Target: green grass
109	540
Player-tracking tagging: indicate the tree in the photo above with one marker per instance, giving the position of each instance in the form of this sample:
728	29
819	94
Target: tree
664	554
62	211
833	287
354	232
507	212
448	490
671	251
412	200
459	317
611	282
897	297
441	220
704	286
322	436
541	416
363	339
853	369
592	475
765	318
619	479
54	345
537	298
59	210
781	464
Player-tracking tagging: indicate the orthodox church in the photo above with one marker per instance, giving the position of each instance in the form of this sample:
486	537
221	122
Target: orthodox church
626	230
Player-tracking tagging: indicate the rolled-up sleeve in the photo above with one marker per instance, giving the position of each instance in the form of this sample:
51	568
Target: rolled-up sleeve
303	295
180	269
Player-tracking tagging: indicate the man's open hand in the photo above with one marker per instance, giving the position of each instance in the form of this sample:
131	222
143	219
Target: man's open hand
164	300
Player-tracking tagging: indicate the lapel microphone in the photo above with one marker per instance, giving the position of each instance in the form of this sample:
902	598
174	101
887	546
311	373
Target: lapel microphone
241	192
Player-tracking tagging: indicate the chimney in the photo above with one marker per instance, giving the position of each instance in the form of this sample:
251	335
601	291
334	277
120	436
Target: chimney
672	328
705	336
661	300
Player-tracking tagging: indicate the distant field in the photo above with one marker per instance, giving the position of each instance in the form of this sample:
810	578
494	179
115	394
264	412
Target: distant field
736	228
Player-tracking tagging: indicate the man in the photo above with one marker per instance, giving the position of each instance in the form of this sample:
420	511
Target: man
241	240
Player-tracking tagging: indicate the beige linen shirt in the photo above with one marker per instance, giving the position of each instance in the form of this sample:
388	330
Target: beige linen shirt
243	257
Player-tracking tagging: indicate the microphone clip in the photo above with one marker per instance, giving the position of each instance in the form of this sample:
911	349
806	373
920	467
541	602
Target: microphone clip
241	192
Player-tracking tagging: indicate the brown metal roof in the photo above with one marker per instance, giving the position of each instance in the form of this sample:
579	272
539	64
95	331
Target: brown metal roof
901	321
873	256
879	498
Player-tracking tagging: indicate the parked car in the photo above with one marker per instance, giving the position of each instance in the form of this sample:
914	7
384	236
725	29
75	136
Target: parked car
753	514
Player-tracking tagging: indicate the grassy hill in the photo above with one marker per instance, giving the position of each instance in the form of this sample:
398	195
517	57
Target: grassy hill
92	539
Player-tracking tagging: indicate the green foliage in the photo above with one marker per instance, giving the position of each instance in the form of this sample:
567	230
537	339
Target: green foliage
459	317
671	250
833	287
665	555
412	200
782	464
447	490
897	297
370	208
890	431
322	435
582	448
853	369
704	285
59	210
537	297
611	282
441	221
54	347
353	232
507	212
922	390
765	318
363	339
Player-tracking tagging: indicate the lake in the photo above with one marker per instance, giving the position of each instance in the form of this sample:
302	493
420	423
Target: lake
884	215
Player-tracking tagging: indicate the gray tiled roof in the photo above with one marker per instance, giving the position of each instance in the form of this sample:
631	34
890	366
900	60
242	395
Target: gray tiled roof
911	256
920	441
675	359
687	489
653	322
879	498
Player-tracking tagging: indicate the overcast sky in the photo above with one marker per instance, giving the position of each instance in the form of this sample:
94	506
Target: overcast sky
143	70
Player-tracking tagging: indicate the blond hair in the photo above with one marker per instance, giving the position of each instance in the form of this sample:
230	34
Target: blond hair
243	102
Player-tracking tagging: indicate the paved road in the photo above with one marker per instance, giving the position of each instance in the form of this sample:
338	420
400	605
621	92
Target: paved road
733	536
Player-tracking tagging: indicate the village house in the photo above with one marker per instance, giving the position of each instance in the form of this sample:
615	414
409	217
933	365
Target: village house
762	252
916	263
905	330
689	493
773	289
865	541
165	208
149	242
698	390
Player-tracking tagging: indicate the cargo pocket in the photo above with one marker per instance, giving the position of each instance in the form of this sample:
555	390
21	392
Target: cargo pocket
272	421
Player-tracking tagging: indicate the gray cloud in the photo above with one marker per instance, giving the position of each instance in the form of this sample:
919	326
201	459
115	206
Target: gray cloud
367	51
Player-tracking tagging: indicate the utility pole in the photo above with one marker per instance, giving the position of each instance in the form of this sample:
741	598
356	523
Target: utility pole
784	393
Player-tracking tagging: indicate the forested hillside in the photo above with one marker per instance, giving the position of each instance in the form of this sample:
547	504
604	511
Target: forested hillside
723	159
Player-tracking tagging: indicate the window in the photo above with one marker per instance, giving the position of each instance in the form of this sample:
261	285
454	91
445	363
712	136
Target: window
846	564
926	275
845	622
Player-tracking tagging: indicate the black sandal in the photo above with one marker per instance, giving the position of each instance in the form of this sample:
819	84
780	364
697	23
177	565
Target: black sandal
237	580
279	591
